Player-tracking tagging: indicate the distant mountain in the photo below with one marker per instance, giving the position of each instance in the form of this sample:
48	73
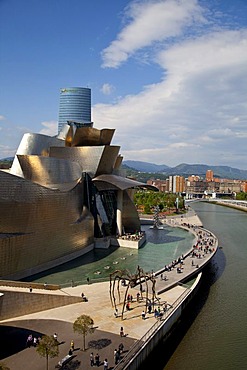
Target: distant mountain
186	170
145	166
223	172
8	159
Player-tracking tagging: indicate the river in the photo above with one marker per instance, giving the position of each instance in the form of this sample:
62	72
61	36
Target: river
213	332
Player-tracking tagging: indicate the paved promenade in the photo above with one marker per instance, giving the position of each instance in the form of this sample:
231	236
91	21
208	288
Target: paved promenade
106	336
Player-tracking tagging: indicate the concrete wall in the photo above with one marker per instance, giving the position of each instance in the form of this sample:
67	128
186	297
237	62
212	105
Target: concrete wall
128	243
23	284
14	304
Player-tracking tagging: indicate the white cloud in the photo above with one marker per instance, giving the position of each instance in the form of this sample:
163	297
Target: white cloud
50	128
150	22
107	89
6	151
11	135
196	103
214	51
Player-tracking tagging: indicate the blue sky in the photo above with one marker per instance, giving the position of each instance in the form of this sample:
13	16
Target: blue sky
169	75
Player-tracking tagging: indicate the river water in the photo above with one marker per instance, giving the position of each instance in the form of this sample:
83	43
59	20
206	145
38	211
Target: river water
213	333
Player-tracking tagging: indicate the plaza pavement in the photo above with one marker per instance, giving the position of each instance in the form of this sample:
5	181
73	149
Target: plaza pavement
106	336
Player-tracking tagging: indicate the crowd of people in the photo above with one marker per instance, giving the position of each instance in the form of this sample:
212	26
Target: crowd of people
137	236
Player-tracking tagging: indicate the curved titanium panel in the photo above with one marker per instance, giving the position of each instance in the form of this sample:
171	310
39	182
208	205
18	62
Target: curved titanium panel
107	160
130	217
104	182
93	160
26	207
89	136
70	135
118	162
63	132
39	225
36	144
47	170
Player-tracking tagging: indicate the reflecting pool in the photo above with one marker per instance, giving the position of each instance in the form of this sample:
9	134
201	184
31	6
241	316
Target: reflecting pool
161	248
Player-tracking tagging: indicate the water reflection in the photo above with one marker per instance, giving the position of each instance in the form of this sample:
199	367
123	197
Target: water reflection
161	248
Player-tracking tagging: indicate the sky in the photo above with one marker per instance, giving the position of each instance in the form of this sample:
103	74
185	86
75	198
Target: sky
169	75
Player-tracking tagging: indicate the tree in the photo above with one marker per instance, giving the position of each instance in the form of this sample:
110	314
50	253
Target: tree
147	209
3	367
47	347
241	196
84	325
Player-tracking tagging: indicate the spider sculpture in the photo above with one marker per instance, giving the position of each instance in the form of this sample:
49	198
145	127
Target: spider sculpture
129	280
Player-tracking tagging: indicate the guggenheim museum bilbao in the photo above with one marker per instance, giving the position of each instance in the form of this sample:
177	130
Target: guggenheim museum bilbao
61	195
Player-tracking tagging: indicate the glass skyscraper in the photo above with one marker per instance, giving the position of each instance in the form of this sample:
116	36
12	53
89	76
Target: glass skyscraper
75	106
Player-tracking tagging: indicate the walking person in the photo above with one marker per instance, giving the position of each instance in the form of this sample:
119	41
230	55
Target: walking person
105	364
121	347
118	356
29	340
115	356
121	332
91	359
72	345
156	313
55	336
97	360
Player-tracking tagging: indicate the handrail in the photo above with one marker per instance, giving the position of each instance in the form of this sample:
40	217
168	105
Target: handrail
135	348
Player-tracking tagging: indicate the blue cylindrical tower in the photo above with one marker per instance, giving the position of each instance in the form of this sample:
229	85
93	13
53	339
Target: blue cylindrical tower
75	106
